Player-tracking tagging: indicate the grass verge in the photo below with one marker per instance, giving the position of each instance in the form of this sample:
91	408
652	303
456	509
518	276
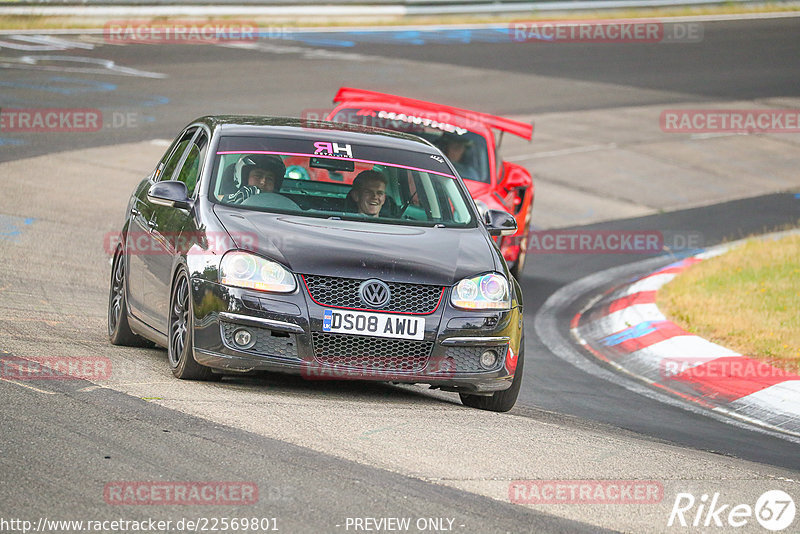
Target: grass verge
747	300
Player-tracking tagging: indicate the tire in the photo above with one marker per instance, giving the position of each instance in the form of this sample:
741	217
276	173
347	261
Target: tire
499	401
180	341
119	330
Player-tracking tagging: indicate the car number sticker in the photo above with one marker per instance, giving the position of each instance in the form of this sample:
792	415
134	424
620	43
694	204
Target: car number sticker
373	324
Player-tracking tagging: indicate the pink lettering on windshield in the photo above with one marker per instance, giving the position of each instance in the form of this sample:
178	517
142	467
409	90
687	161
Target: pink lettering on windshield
323	147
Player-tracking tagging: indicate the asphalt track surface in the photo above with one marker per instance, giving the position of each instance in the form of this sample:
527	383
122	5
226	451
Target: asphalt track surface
735	60
65	448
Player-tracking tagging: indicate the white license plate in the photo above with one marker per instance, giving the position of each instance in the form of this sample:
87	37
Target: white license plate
373	324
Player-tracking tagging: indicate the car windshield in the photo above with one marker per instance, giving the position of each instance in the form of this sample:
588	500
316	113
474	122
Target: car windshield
465	149
337	180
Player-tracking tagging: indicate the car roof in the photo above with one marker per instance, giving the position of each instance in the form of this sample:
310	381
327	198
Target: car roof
246	125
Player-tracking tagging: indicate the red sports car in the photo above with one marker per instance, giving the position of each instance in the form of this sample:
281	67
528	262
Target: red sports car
470	139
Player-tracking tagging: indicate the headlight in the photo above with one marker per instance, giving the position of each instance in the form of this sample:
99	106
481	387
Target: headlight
485	292
241	269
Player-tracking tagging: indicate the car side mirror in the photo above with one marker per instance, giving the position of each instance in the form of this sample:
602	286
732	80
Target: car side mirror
515	179
499	222
171	193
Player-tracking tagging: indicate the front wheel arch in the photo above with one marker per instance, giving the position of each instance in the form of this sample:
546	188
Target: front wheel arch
180	330
500	401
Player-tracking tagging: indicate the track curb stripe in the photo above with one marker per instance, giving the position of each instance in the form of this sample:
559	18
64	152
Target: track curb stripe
626	329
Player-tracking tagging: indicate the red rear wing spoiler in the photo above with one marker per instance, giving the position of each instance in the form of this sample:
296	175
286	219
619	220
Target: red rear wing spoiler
517	128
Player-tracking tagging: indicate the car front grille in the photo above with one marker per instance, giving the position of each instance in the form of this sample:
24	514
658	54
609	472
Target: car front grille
371	353
343	293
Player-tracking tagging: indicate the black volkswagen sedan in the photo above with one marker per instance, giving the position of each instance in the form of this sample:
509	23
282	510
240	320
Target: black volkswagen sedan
326	250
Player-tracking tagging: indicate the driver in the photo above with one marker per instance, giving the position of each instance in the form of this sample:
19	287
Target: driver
369	192
260	173
455	148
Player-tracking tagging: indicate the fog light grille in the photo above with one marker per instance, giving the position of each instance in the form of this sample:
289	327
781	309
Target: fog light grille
266	343
468	359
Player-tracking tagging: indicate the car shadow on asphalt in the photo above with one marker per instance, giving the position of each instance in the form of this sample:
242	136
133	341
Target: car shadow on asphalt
359	391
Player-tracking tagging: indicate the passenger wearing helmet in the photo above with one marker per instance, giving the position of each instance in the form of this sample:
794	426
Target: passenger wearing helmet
260	173
457	149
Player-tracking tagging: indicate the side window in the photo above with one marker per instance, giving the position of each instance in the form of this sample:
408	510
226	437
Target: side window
190	172
175	157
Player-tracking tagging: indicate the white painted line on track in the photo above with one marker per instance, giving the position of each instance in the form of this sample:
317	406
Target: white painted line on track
695	350
782	399
562	152
626	318
28	387
649	283
57	64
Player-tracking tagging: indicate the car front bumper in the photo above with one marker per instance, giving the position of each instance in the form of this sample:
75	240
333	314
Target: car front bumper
286	336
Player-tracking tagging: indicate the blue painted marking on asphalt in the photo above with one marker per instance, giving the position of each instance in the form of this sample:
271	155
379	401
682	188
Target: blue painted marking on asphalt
639	330
154	100
797	195
316	39
10	141
10	226
411	37
400	37
84	86
420	37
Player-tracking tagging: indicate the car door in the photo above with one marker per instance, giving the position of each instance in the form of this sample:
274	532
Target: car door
173	229
138	240
147	250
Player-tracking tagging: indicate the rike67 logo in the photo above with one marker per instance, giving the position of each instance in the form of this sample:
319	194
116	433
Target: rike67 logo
774	510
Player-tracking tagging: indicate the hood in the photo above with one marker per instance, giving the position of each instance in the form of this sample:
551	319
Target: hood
353	249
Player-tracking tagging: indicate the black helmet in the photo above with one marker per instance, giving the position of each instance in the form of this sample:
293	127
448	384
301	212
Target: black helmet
264	161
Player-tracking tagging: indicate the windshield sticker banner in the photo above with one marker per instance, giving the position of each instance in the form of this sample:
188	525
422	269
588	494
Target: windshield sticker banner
325	148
